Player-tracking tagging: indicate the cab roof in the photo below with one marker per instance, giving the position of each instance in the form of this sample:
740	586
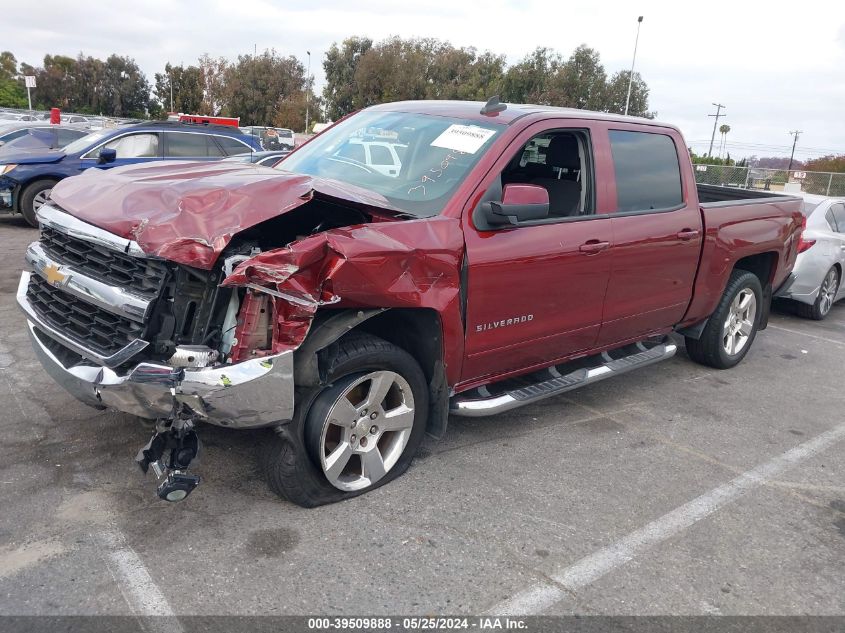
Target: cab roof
472	110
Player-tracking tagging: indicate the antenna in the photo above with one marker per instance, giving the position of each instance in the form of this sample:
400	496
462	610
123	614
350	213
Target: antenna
493	106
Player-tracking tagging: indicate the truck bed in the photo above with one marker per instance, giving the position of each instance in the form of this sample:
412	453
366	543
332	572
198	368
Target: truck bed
740	224
716	196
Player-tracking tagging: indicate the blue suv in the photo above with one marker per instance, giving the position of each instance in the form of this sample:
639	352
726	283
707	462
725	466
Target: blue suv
28	177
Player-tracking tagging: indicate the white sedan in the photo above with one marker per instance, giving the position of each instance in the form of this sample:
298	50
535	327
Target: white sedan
821	258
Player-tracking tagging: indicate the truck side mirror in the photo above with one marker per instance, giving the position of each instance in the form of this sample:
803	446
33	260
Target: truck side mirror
107	155
519	203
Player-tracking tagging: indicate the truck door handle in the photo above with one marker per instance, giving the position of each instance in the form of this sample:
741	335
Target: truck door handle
591	247
688	234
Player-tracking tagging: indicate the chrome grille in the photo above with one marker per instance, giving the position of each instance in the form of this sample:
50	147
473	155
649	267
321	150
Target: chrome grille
139	275
92	327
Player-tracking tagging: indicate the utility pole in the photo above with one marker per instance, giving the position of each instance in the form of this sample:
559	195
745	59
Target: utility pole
719	107
171	91
308	93
795	134
633	61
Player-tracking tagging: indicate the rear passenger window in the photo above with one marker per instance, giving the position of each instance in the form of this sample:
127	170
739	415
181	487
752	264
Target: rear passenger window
648	175
354	151
68	136
187	145
380	155
232	146
839	216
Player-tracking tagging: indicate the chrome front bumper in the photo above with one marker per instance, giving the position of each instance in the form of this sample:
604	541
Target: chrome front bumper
253	394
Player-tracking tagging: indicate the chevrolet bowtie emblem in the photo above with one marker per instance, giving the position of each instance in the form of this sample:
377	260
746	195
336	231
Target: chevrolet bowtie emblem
53	275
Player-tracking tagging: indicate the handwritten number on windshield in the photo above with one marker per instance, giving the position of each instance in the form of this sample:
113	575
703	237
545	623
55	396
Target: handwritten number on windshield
444	165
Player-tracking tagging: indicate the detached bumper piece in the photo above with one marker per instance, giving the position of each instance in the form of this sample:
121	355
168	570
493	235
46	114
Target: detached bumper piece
169	453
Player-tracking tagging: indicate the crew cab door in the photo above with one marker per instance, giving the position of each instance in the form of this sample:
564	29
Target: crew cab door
535	291
657	232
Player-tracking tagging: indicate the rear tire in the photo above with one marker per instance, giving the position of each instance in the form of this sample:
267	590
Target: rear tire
32	197
732	327
296	460
820	308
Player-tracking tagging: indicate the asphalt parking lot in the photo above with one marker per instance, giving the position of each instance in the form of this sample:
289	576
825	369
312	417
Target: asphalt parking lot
673	490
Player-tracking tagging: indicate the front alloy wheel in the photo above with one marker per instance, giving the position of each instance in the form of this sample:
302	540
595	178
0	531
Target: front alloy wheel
367	429
355	432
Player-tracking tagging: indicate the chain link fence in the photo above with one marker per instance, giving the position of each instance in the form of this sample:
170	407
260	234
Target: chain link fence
817	182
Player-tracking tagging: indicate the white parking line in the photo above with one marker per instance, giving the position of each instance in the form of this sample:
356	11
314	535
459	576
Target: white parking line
592	567
808	335
135	583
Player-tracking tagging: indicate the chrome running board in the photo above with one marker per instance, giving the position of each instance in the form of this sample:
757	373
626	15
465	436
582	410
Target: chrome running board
480	402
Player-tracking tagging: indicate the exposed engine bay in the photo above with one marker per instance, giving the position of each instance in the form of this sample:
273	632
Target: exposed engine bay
198	322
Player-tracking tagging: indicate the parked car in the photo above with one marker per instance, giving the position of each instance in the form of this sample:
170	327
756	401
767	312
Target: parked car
29	176
271	138
76	119
520	253
383	156
260	158
817	276
38	135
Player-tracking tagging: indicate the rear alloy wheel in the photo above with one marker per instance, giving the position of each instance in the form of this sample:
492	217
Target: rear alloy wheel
739	324
731	328
820	308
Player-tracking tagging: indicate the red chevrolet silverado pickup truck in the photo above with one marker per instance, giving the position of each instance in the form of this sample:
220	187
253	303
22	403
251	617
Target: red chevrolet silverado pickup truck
413	261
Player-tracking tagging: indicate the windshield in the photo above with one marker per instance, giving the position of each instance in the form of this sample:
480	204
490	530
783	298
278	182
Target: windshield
416	161
85	142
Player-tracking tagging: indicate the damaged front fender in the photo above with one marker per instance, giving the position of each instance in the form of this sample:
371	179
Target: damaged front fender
412	264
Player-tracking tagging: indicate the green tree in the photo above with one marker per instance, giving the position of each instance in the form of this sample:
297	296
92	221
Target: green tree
87	94
290	111
527	81
255	84
125	89
394	70
8	65
340	65
617	91
830	163
580	82
12	92
213	75
188	89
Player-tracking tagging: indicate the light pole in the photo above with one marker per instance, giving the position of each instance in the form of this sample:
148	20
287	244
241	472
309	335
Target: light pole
633	61
308	93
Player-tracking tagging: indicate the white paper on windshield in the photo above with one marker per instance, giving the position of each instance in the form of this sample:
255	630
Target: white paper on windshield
463	138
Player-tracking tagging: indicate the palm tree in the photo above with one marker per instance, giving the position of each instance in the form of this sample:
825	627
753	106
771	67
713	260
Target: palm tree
723	130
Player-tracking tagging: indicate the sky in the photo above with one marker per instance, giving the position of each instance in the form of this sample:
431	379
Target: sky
776	66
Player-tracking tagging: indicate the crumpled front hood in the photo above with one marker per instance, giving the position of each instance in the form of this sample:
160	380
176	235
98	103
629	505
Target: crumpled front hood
188	212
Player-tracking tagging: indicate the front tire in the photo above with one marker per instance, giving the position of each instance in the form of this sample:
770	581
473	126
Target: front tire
354	434
733	326
33	197
820	308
